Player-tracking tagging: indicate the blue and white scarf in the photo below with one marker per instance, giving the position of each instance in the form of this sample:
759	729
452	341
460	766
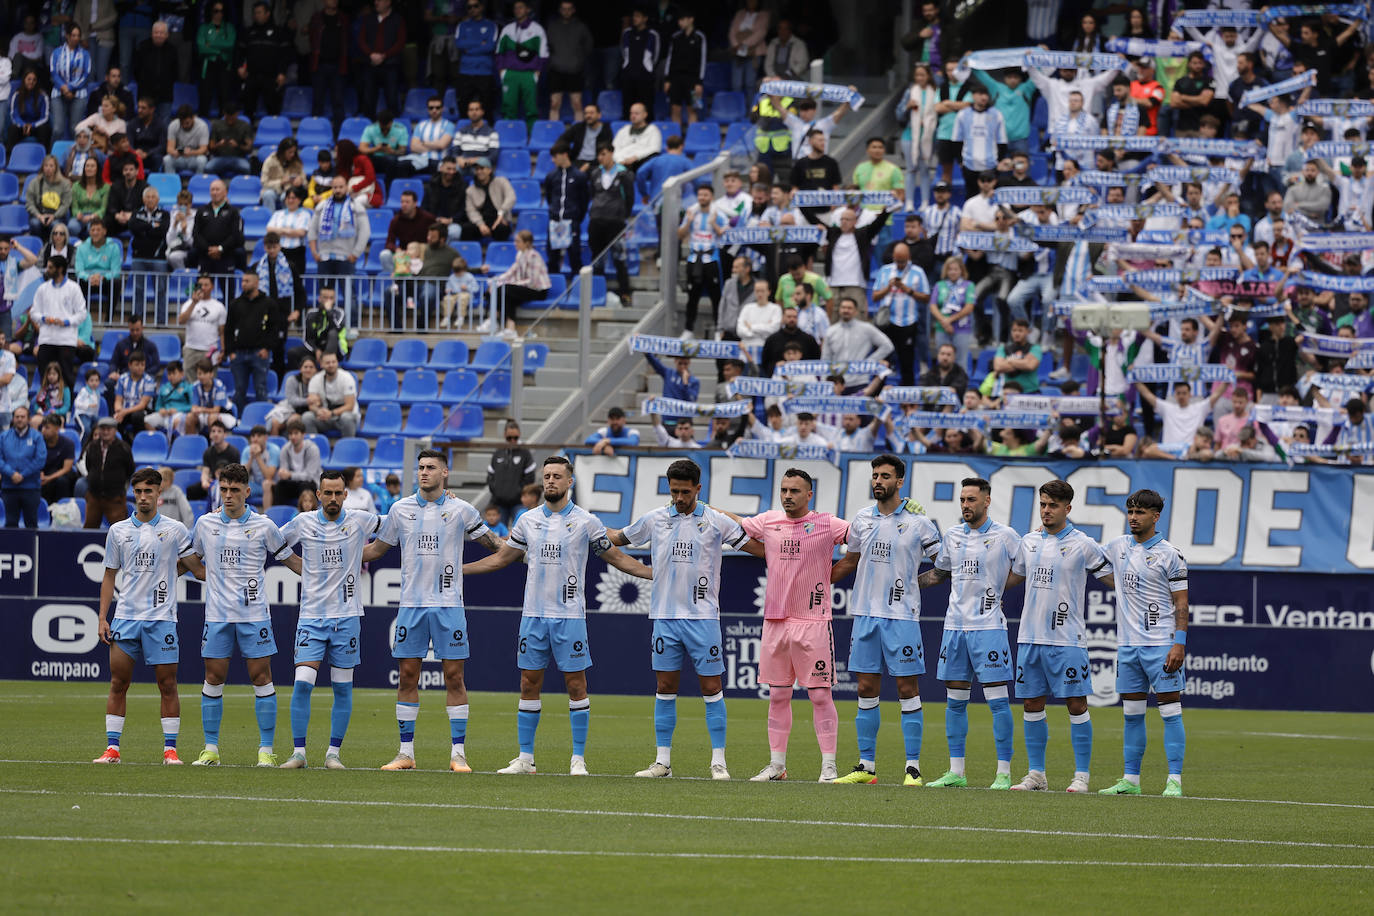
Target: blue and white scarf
1178	174
1050	197
1188	308
920	394
823	368
1197	238
1338	149
1343	10
1050	235
757	448
1336	283
1279	413
1362	360
1335	381
1337	241
1070	60
1340	108
1306	450
1078	143
1217	19
844	198
1140	211
926	419
1067	406
1336	347
1163	279
767	235
825	92
672	346
996	59
672	407
1156	47
1016	419
1099	179
1107	286
836	404
990	241
1160	373
1134	251
1283	87
752	387
1212	146
337	220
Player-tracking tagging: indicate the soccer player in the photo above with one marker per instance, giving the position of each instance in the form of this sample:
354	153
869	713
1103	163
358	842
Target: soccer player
1151	576
886	543
330	564
687	538
235	544
430	526
798	646
554	541
976	556
151	551
1051	654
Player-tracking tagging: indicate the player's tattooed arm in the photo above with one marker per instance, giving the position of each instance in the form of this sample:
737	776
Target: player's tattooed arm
844	566
293	563
932	577
622	561
193	564
504	556
1174	660
617	537
491	541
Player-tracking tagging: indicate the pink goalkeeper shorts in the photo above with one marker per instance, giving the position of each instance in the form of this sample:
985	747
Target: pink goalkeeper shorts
797	650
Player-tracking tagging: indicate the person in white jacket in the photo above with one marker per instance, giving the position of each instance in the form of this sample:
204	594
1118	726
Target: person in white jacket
1226	45
851	340
57	312
1056	89
756	321
917	109
637	141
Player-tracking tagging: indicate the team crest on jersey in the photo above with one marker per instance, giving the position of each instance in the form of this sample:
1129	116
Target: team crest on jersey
444	516
987	542
901	527
808	527
1149	559
1063	551
162	535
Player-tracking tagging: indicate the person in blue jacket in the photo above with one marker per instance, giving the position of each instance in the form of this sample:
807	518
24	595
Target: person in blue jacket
475	40
615	434
649	178
22	454
567	194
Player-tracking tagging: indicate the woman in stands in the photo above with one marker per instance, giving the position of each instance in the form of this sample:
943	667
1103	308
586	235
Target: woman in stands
281	170
359	496
82	149
52	397
59	243
357	168
104	123
89	195
48	200
527	280
1089	37
30	113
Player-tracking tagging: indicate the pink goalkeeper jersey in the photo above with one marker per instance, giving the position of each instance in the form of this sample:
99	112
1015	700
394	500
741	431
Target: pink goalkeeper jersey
799	552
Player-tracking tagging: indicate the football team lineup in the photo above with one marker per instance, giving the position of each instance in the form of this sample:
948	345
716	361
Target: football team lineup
886	545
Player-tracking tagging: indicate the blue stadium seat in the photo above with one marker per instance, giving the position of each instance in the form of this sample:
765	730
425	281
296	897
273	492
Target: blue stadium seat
352	128
466	422
322	443
737	133
543	165
393	192
60	148
490	355
717	77
255	220
186	451
272	129
511	134
729	106
237	441
185	94
702	137
280	515
199	187
226	377
526	192
382	418
611	103
500	256
2	154
460	386
9	188
416	99
168	346
536	221
167	186
448	355
350	452
558	285
314	132
297	102
598	295
545	134
389	452
185	477
14	219
150	448
536	355
408	353
245	191
419	386
366	353
255	414
27	157
668	129
471	252
377	385
513	163
423	420
495	390
108	341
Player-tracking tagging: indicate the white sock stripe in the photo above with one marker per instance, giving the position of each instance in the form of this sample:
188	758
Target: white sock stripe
666	697
910	704
956	693
341	675
171	725
407	712
531	705
306	674
995	693
717	697
457	712
212	690
868	702
1133	707
1080	718
114	723
1033	716
266	690
1169	710
584	703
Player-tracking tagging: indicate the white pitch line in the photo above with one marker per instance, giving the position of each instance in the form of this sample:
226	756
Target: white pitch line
1299	735
635	854
658	815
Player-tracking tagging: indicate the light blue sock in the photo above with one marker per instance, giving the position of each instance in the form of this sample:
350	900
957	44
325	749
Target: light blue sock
913	727
171	728
715	720
665	718
265	706
956	720
1000	707
579	716
526	723
211	711
300	705
342	712
1175	738
1133	735
406	714
1036	731
114	728
457	723
1081	736
866	723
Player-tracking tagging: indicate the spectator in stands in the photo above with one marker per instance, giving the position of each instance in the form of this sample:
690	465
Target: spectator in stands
109	465
325	327
23	454
188	143
446	198
134	395
684	433
815	170
679	383
612	187
171	501
155	68
69	67
209	401
282	169
1182	418
104	124
55	479
204	316
1230	425
331	41
357	171
786	335
173	402
758	321
435	268
567	194
147	134
295	395
1018	360
216	40
737	293
650	177
291	224
684	68
850	339
339	231
231	143
786	58
381	35
89	194
1119	439
217	234
121	152
748	38
701	225
264	55
124	198
52	397
409	226
430	143
136	341
333	399
522	51
902	293
9	378
639	141
797	274
359	496
287	292
586	135
216	455
27	48
509	471
946	371
1237	350
570	47
475	41
307	501
527	280
180	231
261	460
58	310
489	203
386	142
875	173
640	50
59	243
478	140
48	199
101	17
251	334
615	434
30	113
850	249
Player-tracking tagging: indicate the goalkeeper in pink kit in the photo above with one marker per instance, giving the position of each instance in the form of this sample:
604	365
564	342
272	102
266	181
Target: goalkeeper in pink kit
799	547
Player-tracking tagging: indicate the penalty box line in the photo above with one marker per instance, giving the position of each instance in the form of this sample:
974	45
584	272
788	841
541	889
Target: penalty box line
659	815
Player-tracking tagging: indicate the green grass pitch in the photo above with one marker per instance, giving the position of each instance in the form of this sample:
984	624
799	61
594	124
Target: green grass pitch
1280	817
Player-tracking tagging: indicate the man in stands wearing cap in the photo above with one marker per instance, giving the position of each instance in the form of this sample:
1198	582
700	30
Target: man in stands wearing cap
1148	95
109	465
490	205
983	133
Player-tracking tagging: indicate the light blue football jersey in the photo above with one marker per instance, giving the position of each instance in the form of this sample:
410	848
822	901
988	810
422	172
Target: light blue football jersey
1147	575
890	549
1056	567
331	560
686	554
431	534
556	545
147	554
977	560
236	551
